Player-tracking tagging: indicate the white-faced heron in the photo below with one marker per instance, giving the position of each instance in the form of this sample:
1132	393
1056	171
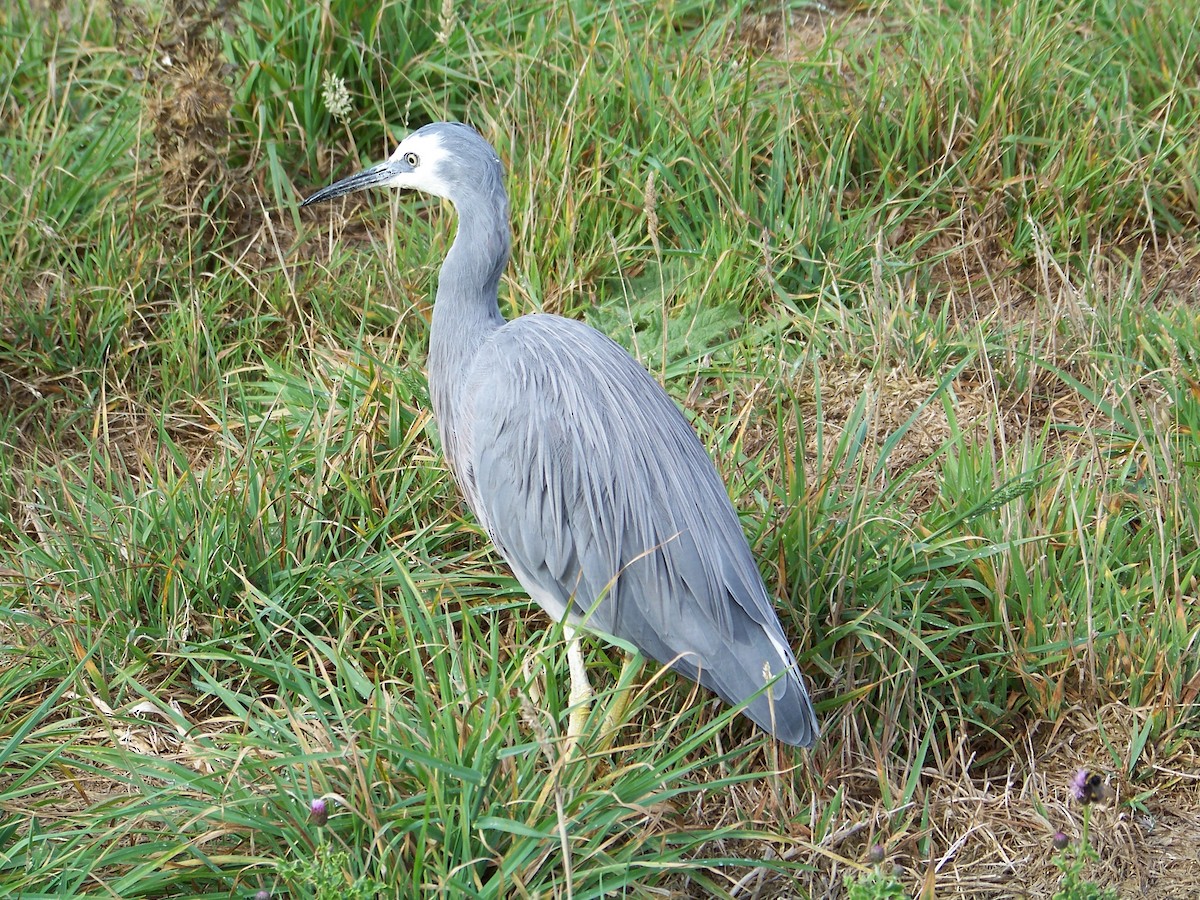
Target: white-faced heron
585	474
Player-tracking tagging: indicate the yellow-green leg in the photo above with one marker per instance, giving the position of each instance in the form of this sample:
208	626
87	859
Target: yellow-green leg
615	717
580	698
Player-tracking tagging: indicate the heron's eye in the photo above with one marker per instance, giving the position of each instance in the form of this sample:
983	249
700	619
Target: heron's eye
411	159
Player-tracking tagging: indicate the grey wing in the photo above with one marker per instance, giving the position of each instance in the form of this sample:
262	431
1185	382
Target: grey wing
597	491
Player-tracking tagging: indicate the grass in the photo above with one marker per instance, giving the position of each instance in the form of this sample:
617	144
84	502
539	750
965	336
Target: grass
923	276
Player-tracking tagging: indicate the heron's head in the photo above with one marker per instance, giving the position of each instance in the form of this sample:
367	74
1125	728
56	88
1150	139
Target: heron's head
446	159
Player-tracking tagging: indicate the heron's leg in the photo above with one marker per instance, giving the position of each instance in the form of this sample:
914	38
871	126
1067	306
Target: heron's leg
581	688
630	670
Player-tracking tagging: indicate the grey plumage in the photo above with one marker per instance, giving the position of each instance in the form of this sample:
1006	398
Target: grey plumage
581	469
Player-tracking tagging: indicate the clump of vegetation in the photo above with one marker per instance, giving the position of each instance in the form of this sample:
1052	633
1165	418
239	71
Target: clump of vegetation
323	873
1087	788
189	106
876	883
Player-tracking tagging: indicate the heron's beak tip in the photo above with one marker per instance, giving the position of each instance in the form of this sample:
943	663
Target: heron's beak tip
376	175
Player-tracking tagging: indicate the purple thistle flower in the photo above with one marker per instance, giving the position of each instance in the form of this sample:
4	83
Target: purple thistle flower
318	811
876	854
1079	785
262	895
1060	840
1089	787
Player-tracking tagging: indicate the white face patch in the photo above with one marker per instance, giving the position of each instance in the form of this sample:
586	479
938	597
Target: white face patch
419	157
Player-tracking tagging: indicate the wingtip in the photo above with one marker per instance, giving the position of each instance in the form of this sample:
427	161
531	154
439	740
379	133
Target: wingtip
788	717
801	731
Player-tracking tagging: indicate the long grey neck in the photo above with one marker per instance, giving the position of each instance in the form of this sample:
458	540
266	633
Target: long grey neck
466	311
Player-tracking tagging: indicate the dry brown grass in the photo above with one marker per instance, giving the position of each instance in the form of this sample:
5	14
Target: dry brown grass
975	831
